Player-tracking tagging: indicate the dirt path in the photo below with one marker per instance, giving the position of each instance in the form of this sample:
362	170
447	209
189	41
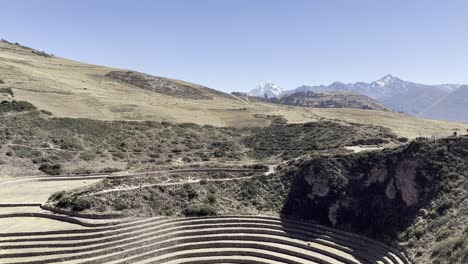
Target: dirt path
361	148
129	175
38	189
169	184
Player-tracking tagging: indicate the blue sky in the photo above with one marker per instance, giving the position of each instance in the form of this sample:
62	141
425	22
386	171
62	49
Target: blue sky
232	45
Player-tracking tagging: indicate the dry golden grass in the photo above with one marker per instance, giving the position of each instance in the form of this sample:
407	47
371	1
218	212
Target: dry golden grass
72	89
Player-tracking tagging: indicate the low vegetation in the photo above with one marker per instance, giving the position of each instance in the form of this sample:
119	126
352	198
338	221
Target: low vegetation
247	194
16	106
51	169
158	84
83	145
289	141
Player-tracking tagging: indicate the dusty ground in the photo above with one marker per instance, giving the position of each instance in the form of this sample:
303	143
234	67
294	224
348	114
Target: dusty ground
28	191
30	224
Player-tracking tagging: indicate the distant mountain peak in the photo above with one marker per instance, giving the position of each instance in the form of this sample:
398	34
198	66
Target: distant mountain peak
267	89
386	80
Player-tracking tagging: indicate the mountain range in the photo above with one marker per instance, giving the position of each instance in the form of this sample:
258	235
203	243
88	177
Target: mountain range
445	101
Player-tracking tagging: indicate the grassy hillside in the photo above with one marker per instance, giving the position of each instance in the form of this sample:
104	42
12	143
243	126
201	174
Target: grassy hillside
31	141
78	90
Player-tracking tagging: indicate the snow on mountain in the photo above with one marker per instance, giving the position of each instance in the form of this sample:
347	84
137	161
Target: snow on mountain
397	94
386	86
267	89
385	81
408	97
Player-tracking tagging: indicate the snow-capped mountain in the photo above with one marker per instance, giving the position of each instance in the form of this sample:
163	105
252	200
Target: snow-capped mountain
384	87
267	89
385	81
397	94
431	101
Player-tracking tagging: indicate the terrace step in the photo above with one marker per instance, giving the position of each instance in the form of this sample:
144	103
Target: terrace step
201	229
155	238
239	259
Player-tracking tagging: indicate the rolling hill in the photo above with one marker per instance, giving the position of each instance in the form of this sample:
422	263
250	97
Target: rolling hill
331	100
72	89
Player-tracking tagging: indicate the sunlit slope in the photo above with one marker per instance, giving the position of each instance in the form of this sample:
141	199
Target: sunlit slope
72	89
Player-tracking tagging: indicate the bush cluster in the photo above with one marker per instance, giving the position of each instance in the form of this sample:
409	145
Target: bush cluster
199	210
51	169
16	106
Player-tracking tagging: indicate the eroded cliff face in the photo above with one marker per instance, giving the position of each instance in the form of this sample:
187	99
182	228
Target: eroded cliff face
375	193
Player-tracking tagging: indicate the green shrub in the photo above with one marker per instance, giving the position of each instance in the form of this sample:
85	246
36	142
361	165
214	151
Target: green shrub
81	204
45	112
119	205
57	196
402	139
190	191
109	170
444	204
68	143
199	210
211	198
249	188
51	169
16	106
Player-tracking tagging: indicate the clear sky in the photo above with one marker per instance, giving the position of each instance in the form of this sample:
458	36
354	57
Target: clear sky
232	45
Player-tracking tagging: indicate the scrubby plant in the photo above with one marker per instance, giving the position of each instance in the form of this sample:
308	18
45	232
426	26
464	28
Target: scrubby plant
190	191
211	198
199	210
57	196
45	112
51	169
16	106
